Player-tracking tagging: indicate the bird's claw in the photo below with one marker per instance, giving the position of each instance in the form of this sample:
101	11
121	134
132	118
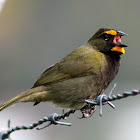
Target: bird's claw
99	101
88	111
93	103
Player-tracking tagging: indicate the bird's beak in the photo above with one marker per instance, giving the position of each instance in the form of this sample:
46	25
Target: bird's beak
119	47
120	44
120	33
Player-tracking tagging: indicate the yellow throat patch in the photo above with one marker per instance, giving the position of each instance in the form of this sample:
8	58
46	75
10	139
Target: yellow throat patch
118	49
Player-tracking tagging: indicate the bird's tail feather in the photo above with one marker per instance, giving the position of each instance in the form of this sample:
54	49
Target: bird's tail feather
21	97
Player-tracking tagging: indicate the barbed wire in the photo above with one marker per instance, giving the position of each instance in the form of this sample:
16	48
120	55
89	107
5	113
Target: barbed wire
55	118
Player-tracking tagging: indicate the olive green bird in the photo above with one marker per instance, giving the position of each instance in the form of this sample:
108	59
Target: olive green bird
83	74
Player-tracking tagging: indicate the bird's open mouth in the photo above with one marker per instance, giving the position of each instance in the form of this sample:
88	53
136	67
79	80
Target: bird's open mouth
119	46
116	39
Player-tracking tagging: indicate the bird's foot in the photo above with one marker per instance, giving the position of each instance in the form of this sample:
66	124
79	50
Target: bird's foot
87	111
100	102
90	108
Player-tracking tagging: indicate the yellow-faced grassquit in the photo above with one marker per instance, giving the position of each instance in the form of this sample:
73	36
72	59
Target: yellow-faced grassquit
83	74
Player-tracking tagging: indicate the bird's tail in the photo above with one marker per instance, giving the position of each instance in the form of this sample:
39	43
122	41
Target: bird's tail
23	97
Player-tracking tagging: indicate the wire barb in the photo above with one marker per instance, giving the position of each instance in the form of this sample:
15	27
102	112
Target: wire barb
99	101
54	118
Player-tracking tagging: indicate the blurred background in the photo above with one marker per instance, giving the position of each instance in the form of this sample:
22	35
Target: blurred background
36	34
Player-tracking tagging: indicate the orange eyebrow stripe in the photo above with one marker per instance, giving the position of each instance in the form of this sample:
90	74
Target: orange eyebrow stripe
111	32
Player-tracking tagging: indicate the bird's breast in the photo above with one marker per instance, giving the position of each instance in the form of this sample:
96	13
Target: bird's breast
109	69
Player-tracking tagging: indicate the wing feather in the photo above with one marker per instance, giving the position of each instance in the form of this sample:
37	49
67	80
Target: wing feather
81	62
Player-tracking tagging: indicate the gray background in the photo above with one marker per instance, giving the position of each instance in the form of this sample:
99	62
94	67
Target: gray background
35	34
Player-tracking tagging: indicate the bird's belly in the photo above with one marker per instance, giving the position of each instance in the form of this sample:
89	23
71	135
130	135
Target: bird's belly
67	94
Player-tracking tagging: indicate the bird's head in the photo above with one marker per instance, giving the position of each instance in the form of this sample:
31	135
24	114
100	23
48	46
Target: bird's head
108	41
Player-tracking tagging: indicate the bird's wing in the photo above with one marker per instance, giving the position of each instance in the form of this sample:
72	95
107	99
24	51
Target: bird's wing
81	62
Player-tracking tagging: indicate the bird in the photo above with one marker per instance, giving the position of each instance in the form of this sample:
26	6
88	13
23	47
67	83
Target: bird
84	73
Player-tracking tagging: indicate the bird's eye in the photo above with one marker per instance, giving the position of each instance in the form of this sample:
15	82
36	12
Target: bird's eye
105	36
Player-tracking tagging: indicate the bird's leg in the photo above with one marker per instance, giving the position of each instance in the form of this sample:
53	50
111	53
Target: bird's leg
88	110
